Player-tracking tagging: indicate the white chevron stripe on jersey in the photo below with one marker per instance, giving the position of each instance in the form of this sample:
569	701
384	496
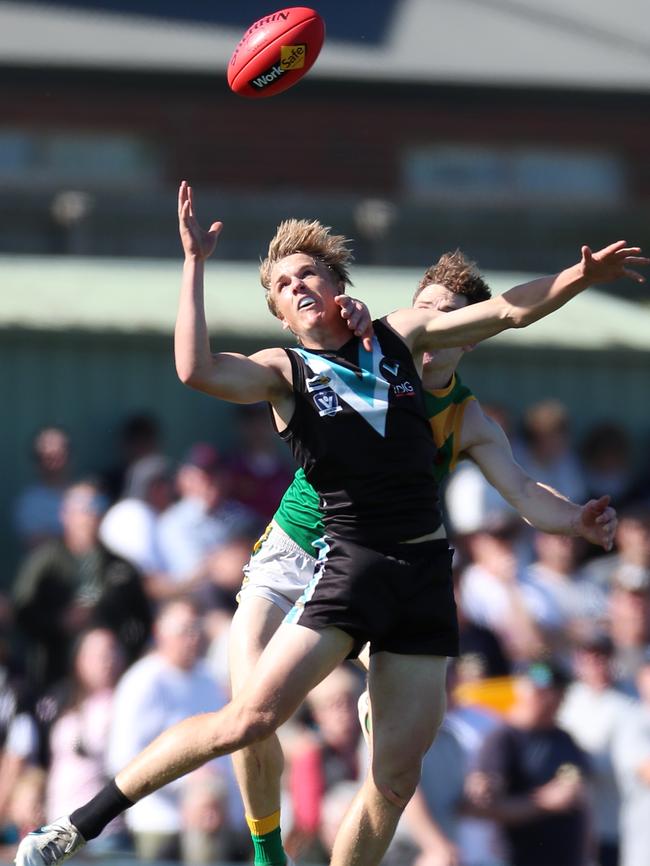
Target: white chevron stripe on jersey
366	394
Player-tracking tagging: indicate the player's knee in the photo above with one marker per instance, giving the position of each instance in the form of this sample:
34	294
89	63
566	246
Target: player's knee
397	783
242	724
256	724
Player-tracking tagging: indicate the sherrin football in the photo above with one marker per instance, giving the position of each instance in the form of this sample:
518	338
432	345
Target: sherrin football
276	52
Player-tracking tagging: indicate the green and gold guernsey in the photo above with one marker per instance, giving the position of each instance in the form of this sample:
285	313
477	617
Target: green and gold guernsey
299	514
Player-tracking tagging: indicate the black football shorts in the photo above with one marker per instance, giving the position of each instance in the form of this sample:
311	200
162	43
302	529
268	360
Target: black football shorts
399	599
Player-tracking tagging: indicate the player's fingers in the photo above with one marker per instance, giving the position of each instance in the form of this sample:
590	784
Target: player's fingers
628	251
612	248
366	339
354	321
608	516
596	506
215	229
181	194
633	275
345	303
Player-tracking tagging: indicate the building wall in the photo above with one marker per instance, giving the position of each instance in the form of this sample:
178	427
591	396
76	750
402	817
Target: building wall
351	134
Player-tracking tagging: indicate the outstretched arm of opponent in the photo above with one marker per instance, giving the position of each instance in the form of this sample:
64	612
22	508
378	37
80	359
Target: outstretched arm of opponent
541	506
518	307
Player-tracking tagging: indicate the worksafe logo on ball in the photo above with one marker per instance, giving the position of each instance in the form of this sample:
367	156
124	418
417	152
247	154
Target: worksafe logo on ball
291	57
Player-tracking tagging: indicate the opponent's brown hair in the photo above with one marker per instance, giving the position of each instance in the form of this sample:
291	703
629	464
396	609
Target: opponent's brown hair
313	239
459	275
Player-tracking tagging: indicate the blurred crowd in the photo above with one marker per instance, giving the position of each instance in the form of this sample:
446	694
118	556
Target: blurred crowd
116	626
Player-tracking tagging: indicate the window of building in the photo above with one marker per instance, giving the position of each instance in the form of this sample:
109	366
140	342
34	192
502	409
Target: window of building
46	157
474	174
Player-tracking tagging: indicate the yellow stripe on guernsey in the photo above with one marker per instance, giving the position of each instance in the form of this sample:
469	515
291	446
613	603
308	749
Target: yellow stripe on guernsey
445	408
262	826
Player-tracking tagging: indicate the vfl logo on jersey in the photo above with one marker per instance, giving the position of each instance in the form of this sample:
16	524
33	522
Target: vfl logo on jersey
326	402
389	369
324	397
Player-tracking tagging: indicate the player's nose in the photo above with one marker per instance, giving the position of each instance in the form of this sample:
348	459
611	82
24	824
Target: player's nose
296	284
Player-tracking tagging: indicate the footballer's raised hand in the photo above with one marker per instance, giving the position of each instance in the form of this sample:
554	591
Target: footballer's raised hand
613	262
357	317
197	242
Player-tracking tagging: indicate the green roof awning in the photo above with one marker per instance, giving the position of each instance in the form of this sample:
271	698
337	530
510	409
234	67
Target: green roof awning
127	295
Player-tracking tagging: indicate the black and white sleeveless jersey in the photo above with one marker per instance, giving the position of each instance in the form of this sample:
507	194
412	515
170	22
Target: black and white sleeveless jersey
360	432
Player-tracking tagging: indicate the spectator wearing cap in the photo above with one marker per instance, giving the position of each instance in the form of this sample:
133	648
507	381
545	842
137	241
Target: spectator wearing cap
37	511
530	777
631	753
592	712
204	518
130	527
67	585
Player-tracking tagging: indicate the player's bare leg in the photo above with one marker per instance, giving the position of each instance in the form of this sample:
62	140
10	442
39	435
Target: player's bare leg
258	768
407	695
296	659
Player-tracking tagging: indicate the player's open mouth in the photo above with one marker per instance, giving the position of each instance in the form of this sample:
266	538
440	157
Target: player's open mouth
305	303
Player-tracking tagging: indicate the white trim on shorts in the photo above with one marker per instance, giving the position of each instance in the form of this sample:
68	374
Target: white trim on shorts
279	570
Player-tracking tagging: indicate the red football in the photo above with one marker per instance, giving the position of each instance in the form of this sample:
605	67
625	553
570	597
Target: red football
275	52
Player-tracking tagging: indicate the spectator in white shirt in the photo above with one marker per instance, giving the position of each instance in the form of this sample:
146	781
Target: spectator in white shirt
169	684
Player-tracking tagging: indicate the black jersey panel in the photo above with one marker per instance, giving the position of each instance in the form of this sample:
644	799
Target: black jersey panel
360	432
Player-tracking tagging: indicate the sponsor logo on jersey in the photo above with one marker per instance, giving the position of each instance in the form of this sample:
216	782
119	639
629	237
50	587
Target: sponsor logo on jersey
292	56
326	402
403	389
390	370
316	383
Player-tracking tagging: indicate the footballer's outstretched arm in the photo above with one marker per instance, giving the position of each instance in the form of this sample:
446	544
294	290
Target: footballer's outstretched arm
541	506
518	307
237	378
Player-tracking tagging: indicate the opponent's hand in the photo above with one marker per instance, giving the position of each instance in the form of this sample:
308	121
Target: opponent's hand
612	263
197	243
357	317
597	522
